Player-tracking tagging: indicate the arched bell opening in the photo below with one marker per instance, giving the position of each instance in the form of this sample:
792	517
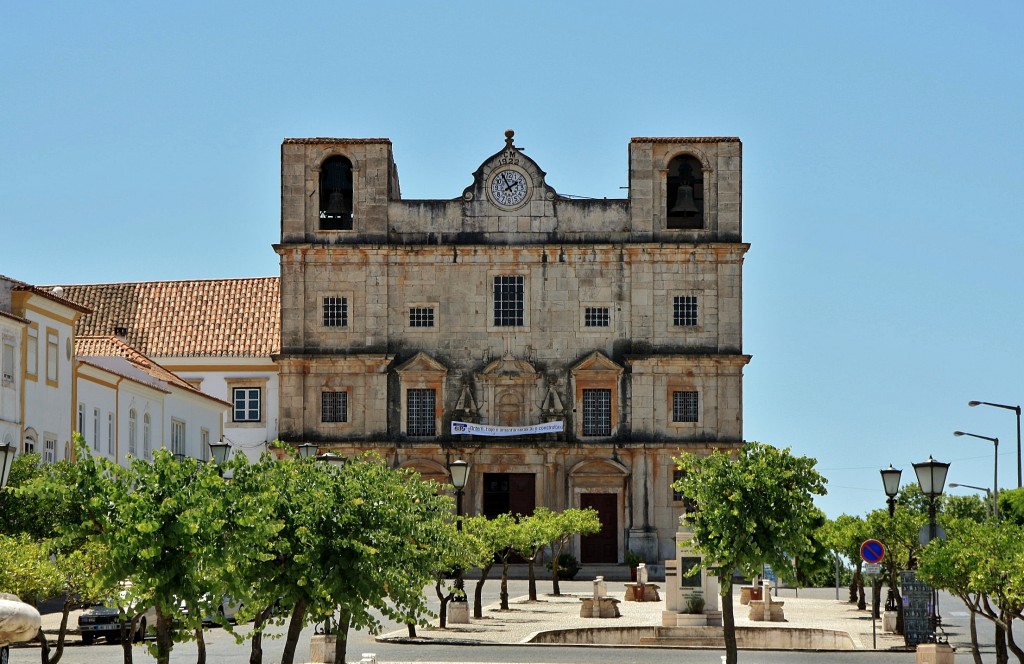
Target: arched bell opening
684	203
336	194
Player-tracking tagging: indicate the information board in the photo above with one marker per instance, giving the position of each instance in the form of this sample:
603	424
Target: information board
917	610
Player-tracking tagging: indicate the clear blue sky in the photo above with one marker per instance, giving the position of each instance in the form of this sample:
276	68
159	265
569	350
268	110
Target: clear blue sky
883	145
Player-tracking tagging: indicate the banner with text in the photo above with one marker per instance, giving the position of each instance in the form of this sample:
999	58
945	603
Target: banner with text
469	428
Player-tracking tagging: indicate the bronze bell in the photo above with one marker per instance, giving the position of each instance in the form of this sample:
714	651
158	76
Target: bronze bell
684	201
336	204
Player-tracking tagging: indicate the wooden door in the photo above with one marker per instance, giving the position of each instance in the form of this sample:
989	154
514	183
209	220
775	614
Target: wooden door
603	546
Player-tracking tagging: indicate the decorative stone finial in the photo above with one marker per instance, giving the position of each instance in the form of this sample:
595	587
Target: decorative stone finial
508	137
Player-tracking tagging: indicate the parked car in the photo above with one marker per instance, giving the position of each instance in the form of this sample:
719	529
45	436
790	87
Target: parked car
102	620
227	610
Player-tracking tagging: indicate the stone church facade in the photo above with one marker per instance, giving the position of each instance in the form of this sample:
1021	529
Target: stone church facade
512	306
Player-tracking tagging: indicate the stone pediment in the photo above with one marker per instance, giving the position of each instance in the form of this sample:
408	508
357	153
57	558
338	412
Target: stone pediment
508	367
597	362
421	363
510	158
599	467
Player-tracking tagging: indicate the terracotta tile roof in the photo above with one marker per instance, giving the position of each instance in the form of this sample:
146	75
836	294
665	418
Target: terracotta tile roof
203	318
90	348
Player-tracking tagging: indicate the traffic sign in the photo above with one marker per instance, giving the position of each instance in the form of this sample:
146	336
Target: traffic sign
872	551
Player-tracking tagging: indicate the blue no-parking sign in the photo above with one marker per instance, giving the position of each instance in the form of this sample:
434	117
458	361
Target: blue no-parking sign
872	551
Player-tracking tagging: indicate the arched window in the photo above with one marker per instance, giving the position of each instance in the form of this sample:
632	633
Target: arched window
146	442
684	202
336	194
132	426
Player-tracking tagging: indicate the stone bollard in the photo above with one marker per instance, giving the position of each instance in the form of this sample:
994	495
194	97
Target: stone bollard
641	574
600	589
766	596
369	658
935	653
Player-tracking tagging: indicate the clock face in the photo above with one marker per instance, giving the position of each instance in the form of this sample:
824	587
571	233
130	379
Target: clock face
509	188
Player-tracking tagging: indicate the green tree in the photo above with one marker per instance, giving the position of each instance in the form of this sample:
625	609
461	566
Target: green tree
534	534
981	564
752	508
568	523
496	536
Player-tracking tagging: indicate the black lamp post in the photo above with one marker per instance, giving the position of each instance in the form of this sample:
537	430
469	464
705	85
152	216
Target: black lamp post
307	450
1015	409
995	468
219	451
891	484
7	453
460	473
333	461
931	477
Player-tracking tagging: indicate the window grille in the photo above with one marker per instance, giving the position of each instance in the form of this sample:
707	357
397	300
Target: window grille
335	312
684	310
420	410
596	317
334	406
684	407
597	412
421	317
509	302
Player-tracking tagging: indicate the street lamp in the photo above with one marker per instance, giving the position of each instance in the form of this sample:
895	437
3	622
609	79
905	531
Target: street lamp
7	452
307	450
995	467
332	459
460	473
220	451
891	483
931	477
1015	409
988	492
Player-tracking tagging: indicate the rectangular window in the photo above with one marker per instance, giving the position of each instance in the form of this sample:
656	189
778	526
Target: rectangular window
96	429
595	317
110	433
335	312
30	446
8	361
597	412
133	433
677	474
421	317
32	352
509	294
246	404
81	418
684	407
420	410
49	450
684	310
204	442
334	406
177	438
146	437
51	356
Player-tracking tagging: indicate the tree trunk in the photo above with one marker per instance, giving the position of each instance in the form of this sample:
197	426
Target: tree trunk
128	638
975	653
164	637
294	629
1010	643
503	595
200	646
58	651
478	592
341	641
1002	657
861	600
442	612
876	599
728	619
256	652
555	553
412	629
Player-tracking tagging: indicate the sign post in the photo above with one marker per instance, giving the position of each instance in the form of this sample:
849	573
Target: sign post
873	552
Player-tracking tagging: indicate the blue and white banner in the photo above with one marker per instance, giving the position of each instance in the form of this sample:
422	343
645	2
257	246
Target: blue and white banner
464	428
